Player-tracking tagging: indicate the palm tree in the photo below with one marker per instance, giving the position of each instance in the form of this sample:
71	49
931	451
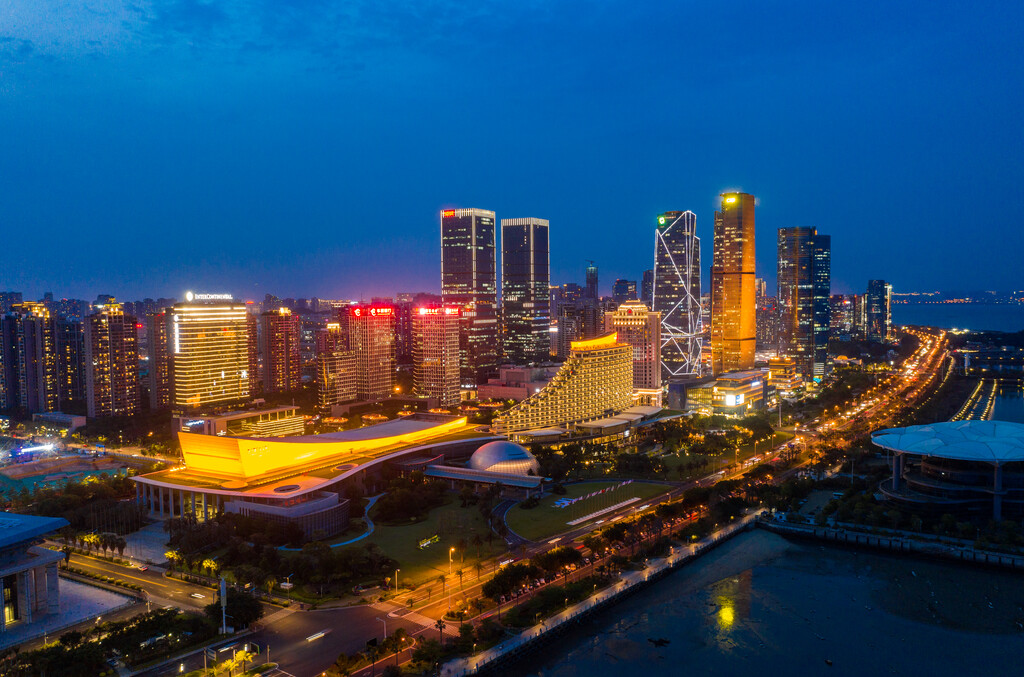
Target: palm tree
458	572
440	630
441	580
477	543
479	569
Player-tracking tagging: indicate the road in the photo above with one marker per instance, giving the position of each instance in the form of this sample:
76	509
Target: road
156	585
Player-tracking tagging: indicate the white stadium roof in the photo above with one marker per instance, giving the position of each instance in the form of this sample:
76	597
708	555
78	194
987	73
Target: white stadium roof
987	441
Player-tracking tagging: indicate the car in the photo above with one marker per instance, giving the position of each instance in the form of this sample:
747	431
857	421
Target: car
142	567
196	595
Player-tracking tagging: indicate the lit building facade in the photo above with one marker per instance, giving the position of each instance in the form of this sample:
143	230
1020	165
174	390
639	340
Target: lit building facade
525	284
335	368
69	341
372	339
436	353
209	342
279	342
159	360
28	359
804	280
640	328
29	579
784	375
878	310
733	394
733	312
111	363
677	293
767	323
596	381
469	280
841	310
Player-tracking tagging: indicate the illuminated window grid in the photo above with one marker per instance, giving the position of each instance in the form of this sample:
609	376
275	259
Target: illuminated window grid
210	345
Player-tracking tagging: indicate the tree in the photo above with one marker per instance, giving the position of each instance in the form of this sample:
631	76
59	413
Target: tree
440	624
243	608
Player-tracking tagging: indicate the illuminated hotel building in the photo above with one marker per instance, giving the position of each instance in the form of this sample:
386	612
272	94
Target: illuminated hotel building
595	381
469	280
335	368
525	285
436	353
804	280
279	347
159	360
733	313
677	292
640	329
209	340
878	310
111	363
372	339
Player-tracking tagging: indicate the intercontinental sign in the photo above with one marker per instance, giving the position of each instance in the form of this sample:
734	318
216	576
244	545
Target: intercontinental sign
193	296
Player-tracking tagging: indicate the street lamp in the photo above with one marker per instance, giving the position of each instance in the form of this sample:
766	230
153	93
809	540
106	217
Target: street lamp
396	580
451	551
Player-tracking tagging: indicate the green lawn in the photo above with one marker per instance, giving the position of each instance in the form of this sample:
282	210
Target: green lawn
546	521
451	523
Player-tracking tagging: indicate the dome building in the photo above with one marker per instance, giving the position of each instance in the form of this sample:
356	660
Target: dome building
504	457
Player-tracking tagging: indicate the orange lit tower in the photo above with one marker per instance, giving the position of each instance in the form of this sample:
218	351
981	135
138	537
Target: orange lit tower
733	307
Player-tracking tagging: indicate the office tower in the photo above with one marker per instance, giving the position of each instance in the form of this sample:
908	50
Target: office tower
624	290
111	363
209	337
159	358
878	310
469	280
733	315
525	282
804	281
8	299
677	292
767	323
69	341
647	288
372	339
860	315
436	353
279	349
405	303
640	328
841	313
591	289
310	324
335	368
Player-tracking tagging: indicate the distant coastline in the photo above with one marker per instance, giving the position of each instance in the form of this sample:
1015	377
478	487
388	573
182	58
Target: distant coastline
975	316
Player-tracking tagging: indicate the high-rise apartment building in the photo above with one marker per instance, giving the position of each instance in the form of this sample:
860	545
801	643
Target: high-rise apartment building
733	312
469	280
878	310
624	290
677	292
436	353
159	360
209	340
111	363
29	356
525	285
640	328
804	281
69	341
372	339
335	368
647	288
8	299
279	348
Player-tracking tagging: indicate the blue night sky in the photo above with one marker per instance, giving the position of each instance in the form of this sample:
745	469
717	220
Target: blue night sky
305	147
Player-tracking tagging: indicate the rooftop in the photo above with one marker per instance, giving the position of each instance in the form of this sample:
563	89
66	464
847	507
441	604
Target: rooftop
987	441
15	528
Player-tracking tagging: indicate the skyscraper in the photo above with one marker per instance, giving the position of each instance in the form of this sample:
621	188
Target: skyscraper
624	290
372	339
591	290
335	368
69	340
640	328
111	363
525	285
436	353
878	310
209	340
469	280
159	360
647	288
804	282
733	313
279	347
677	292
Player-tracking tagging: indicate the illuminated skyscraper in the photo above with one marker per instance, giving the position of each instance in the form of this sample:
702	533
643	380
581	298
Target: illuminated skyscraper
525	284
733	312
469	280
640	328
279	348
159	360
591	290
335	368
677	292
878	310
436	353
372	339
34	383
804	286
69	340
111	363
209	340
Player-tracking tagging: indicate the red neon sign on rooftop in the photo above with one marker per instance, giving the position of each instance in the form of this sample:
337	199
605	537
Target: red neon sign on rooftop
372	311
448	212
447	310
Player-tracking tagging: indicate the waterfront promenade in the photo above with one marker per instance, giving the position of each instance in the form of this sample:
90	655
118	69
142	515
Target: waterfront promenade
628	583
